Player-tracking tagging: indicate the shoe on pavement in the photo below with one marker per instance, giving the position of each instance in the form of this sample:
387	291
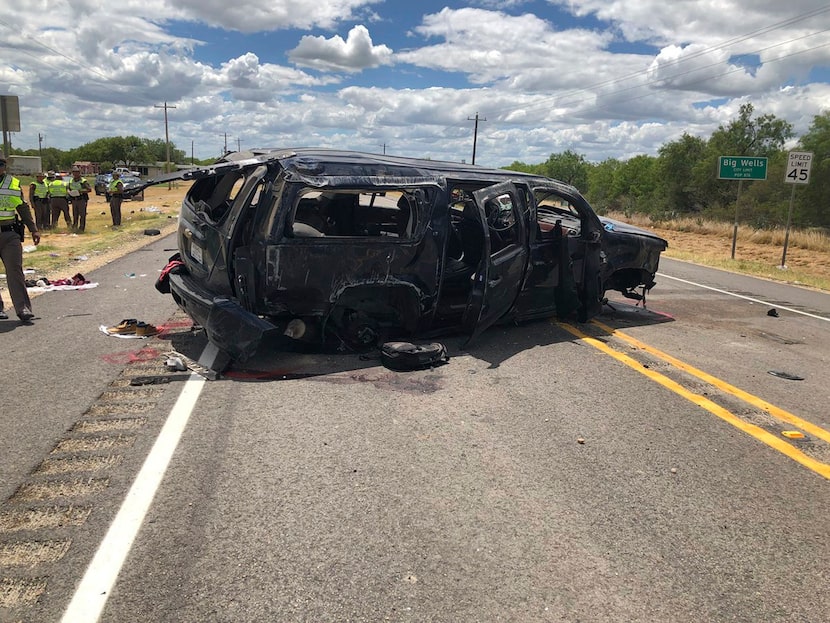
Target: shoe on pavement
146	330
125	327
26	316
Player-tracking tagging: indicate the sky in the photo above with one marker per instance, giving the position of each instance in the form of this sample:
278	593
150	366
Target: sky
603	78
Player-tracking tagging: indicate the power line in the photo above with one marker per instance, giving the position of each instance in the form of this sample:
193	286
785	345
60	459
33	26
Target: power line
546	102
723	45
74	61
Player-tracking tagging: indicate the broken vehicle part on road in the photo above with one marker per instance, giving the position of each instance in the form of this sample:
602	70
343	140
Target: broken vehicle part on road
327	247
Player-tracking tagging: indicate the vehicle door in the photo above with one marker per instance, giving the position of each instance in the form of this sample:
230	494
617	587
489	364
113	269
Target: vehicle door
582	252
499	276
212	221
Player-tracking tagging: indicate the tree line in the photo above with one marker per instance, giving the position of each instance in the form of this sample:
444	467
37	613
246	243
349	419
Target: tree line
110	152
682	180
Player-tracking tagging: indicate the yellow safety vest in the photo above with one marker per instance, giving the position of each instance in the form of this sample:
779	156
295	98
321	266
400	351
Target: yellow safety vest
79	185
113	186
57	188
41	189
10	198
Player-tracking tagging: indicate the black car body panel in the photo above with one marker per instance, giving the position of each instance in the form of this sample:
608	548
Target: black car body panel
327	246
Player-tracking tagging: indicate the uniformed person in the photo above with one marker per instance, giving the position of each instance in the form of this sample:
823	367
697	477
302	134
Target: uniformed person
57	199
115	191
39	200
78	191
14	214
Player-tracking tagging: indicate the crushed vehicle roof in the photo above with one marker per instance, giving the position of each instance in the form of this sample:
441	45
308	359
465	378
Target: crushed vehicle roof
308	163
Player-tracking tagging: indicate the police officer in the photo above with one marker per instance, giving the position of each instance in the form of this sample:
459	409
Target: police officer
115	191
39	200
14	214
57	199
78	191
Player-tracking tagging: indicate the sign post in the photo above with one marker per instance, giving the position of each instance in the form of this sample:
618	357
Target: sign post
9	119
740	168
798	172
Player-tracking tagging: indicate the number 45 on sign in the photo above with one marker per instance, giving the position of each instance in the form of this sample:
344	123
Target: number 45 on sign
798	167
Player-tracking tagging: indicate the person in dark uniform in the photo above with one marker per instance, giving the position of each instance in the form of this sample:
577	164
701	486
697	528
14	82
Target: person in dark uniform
78	191
39	200
115	191
14	214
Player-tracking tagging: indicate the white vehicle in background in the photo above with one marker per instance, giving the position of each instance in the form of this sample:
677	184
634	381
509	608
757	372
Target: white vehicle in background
126	171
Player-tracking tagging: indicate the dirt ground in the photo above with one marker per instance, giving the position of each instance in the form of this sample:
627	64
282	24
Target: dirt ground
60	249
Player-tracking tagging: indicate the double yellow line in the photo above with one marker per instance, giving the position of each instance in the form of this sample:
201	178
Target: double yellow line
823	469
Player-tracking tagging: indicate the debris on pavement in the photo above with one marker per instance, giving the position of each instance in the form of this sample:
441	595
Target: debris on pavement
785	375
131	328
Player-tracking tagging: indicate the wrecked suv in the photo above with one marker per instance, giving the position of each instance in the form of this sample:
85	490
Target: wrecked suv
346	248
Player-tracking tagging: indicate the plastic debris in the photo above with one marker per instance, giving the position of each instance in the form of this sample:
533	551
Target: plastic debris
792	434
785	375
175	363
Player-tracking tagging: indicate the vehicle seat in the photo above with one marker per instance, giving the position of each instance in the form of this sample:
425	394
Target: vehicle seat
405	216
469	232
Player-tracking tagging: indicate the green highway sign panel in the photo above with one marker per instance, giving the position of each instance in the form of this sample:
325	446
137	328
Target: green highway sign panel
742	168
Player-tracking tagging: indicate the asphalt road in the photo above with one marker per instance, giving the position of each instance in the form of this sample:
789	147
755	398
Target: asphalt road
632	469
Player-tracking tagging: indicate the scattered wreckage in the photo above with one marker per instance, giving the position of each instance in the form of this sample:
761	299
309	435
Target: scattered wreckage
316	246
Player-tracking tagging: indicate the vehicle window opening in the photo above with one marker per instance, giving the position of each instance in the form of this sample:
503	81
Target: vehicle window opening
213	196
356	213
550	208
465	246
502	222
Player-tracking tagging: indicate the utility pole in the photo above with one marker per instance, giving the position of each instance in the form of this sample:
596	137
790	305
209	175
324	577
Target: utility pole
475	135
166	141
192	159
226	144
238	144
384	148
40	148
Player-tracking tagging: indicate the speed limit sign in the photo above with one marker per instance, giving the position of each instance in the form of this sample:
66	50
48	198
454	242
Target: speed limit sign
798	167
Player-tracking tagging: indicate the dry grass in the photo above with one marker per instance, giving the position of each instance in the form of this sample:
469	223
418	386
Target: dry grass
757	252
62	253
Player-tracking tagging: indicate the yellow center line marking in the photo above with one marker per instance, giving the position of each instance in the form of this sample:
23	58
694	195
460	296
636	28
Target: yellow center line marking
777	412
756	431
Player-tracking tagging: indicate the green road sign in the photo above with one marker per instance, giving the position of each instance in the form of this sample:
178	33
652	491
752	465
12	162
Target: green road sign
742	168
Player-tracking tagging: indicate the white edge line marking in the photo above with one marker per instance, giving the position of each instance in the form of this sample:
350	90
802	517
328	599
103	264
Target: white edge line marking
94	589
747	298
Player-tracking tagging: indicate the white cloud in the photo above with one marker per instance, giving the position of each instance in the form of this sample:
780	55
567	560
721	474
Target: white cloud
250	16
354	54
622	87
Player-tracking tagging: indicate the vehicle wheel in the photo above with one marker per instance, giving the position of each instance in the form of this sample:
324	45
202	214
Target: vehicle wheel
140	196
357	331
